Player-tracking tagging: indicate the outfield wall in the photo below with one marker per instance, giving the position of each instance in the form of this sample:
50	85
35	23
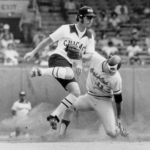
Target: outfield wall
136	90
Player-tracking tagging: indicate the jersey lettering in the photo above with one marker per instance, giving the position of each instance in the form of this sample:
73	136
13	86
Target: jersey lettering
100	82
78	44
98	76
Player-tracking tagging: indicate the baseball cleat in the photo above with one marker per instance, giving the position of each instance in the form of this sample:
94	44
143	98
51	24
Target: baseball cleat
53	120
35	72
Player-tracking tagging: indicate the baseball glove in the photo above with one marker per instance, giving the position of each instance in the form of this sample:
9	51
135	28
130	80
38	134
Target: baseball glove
123	131
73	52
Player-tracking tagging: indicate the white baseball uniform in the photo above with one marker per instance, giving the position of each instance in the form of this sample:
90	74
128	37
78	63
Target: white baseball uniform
21	118
22	109
64	35
101	86
70	34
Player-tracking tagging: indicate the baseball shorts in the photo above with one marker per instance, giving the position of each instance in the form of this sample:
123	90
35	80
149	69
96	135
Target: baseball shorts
57	60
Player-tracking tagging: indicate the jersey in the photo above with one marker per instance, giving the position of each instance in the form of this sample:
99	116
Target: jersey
22	109
99	83
70	34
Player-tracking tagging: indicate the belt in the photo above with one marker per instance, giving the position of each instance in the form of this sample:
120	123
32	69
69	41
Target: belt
98	96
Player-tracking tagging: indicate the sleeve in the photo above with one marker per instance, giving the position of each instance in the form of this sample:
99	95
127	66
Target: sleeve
91	45
117	87
30	107
14	106
27	106
58	34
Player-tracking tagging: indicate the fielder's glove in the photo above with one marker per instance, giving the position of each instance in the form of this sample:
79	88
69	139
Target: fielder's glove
123	131
73	52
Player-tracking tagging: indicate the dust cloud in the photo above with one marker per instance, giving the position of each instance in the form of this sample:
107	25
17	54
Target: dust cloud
84	129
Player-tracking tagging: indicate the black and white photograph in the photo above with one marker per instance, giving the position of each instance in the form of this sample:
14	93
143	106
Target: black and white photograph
75	74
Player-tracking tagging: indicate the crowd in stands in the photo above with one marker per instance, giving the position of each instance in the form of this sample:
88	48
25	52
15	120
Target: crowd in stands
110	39
30	21
108	31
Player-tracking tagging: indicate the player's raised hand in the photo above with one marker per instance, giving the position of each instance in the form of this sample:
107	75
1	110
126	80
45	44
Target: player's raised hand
28	56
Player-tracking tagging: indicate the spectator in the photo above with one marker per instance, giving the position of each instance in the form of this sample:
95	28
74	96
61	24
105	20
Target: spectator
27	23
70	5
133	51
147	43
135	33
20	111
102	21
114	22
120	8
70	8
1	28
122	12
102	41
34	5
63	10
38	21
6	36
110	49
42	56
11	56
146	11
38	36
117	41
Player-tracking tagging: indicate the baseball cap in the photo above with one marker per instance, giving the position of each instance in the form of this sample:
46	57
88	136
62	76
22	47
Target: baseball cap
86	11
22	93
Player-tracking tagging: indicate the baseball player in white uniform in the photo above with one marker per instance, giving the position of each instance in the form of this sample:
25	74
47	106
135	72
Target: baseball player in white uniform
75	43
20	111
103	84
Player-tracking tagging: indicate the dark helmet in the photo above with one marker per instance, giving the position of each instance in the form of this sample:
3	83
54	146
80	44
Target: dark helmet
114	63
22	93
85	11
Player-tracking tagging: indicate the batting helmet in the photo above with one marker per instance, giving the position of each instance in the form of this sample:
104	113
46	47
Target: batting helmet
114	63
85	11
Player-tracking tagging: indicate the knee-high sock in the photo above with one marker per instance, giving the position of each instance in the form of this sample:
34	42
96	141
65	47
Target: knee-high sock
58	72
66	103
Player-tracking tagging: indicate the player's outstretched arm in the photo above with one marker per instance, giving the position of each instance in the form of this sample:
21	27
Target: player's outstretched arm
28	56
118	101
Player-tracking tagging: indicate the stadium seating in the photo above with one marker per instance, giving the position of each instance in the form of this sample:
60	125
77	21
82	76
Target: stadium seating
52	18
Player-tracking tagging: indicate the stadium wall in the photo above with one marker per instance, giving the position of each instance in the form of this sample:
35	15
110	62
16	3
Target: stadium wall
136	90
